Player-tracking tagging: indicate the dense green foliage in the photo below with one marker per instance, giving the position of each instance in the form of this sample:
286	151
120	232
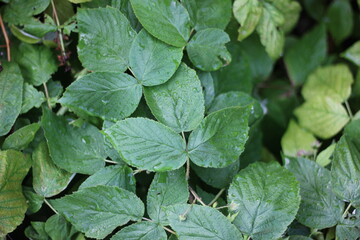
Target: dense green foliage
180	119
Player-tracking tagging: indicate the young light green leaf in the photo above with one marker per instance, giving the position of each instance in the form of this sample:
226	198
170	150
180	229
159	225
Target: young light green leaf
178	103
345	168
11	85
74	149
306	54
141	231
48	179
152	61
271	31
220	138
13	169
97	211
33	200
297	141
265	199
21	12
108	95
166	189
291	10
237	99
194	222
324	157
340	20
217	177
105	37
208	14
147	145
207	50
31	98
120	176
353	53
166	20
248	14
58	228
330	81
21	138
319	206
36	62
322	116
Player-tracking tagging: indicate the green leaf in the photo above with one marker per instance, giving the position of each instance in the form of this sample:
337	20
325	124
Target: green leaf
220	138
306	54
110	96
217	177
58	228
248	14
147	145
36	231
74	149
79	1
178	103
166	20
37	63
319	206
271	31
331	81
207	50
322	116
315	8
105	37
120	176
21	138
13	169
208	86
265	199
323	159
141	231
126	9
340	20
152	61
21	12
208	14
48	179
349	228
166	189
353	53
237	99
33	200
40	28
31	98
291	10
11	85
297	141
97	211
194	222
24	36
345	168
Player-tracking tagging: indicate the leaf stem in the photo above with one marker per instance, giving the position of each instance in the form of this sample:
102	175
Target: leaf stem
51	207
7	41
131	71
349	109
109	161
196	196
165	228
346	210
62	46
62	111
47	95
216	197
187	174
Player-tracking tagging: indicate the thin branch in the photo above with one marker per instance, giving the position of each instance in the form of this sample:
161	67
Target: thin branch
349	109
109	161
62	46
216	197
51	207
47	95
7	41
196	196
346	210
165	228
222	207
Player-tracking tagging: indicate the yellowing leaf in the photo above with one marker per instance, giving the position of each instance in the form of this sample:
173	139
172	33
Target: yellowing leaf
322	116
248	14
